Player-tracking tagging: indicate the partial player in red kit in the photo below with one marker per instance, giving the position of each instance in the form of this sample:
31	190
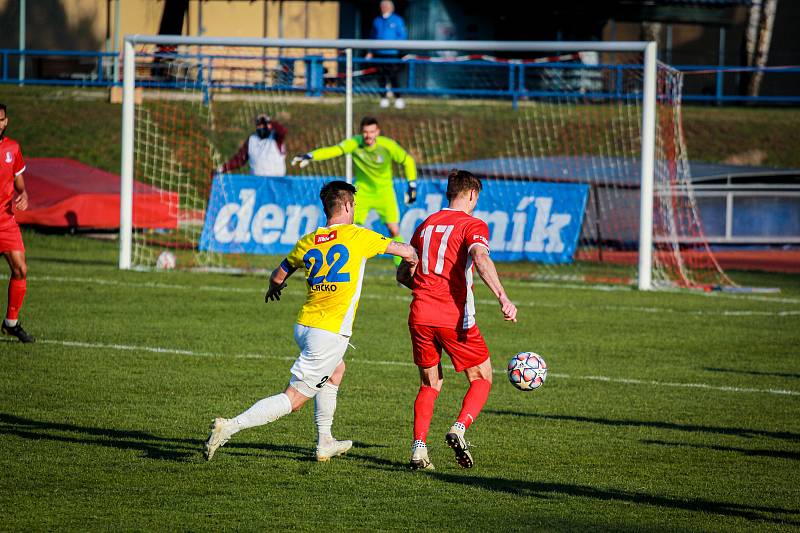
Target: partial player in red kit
449	244
11	168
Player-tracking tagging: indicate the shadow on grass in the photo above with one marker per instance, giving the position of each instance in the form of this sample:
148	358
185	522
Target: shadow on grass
162	448
753	372
692	428
307	454
151	446
777	454
545	490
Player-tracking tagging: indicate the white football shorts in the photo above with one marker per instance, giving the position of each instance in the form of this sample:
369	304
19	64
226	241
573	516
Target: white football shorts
320	354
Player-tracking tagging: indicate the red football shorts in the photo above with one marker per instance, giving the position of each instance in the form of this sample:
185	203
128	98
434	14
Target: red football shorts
10	237
466	348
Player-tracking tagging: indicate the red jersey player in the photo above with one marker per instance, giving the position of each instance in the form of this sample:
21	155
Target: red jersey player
449	243
11	168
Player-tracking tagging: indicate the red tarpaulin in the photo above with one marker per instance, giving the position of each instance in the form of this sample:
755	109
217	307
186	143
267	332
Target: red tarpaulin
67	193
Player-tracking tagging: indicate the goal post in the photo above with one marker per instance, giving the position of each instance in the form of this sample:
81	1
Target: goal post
548	130
126	174
648	168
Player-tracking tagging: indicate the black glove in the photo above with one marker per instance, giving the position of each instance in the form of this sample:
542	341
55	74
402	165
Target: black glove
274	292
303	160
411	193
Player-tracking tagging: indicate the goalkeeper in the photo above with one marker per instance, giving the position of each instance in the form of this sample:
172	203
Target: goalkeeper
373	155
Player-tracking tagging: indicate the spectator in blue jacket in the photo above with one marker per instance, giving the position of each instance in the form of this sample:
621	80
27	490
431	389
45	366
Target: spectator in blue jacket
388	27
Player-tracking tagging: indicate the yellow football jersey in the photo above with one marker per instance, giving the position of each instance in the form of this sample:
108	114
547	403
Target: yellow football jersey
334	259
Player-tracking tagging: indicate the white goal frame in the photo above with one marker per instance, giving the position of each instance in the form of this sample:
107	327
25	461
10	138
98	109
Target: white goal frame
648	131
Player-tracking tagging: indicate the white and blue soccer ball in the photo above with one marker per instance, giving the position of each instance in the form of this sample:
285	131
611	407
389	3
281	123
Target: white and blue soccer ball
527	371
166	260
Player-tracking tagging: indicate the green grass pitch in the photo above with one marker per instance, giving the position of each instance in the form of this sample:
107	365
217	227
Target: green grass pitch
662	411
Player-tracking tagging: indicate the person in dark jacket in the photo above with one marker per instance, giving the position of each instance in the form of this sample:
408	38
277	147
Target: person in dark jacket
389	26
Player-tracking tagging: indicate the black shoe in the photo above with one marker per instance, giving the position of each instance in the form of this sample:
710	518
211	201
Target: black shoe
461	449
18	332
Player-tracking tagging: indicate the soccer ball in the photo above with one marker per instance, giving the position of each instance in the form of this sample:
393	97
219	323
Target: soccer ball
165	261
527	371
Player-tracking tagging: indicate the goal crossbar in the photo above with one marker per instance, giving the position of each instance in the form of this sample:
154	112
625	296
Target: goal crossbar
372	44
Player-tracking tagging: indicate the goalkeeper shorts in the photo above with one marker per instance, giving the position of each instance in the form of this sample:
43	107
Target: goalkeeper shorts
321	351
384	204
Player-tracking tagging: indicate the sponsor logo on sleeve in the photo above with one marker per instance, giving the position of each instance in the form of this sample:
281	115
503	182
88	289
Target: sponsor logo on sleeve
323	238
481	239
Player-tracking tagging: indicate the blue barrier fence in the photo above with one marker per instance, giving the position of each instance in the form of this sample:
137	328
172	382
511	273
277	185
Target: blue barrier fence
513	81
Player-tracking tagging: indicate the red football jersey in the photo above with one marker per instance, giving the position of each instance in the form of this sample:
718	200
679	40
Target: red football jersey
442	283
11	166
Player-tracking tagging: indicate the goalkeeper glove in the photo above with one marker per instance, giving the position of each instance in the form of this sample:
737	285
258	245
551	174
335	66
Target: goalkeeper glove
302	160
274	292
411	193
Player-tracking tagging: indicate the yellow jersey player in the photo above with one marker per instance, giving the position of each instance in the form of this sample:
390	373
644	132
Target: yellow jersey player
333	259
373	155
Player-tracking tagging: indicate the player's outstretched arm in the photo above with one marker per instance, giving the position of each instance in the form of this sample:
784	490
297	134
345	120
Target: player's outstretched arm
236	161
328	152
404	251
488	273
277	281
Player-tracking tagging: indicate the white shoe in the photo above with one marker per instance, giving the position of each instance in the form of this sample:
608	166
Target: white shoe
333	448
420	460
222	430
384	103
399	104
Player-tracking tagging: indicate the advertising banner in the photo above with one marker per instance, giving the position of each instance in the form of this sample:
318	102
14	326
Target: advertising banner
532	221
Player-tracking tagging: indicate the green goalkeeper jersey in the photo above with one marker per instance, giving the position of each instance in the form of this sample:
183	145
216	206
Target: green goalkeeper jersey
373	172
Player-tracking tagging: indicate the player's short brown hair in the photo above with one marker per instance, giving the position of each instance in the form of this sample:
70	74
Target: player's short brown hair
369	121
334	195
461	181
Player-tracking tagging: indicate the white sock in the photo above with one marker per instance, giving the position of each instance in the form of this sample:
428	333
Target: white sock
418	444
264	411
10	323
458	428
324	408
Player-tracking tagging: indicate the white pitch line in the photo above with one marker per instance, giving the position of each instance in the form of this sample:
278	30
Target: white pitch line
509	282
624	381
406	297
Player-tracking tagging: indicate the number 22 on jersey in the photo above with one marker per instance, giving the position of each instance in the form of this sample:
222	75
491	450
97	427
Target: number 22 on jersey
335	259
430	235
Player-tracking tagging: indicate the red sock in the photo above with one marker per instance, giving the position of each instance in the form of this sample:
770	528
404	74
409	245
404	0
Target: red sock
16	293
476	397
423	411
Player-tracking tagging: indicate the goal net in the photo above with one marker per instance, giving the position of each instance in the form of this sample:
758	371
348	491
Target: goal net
555	136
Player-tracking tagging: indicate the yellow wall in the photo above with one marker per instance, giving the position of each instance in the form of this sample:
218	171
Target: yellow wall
89	24
90	13
137	16
56	24
84	24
